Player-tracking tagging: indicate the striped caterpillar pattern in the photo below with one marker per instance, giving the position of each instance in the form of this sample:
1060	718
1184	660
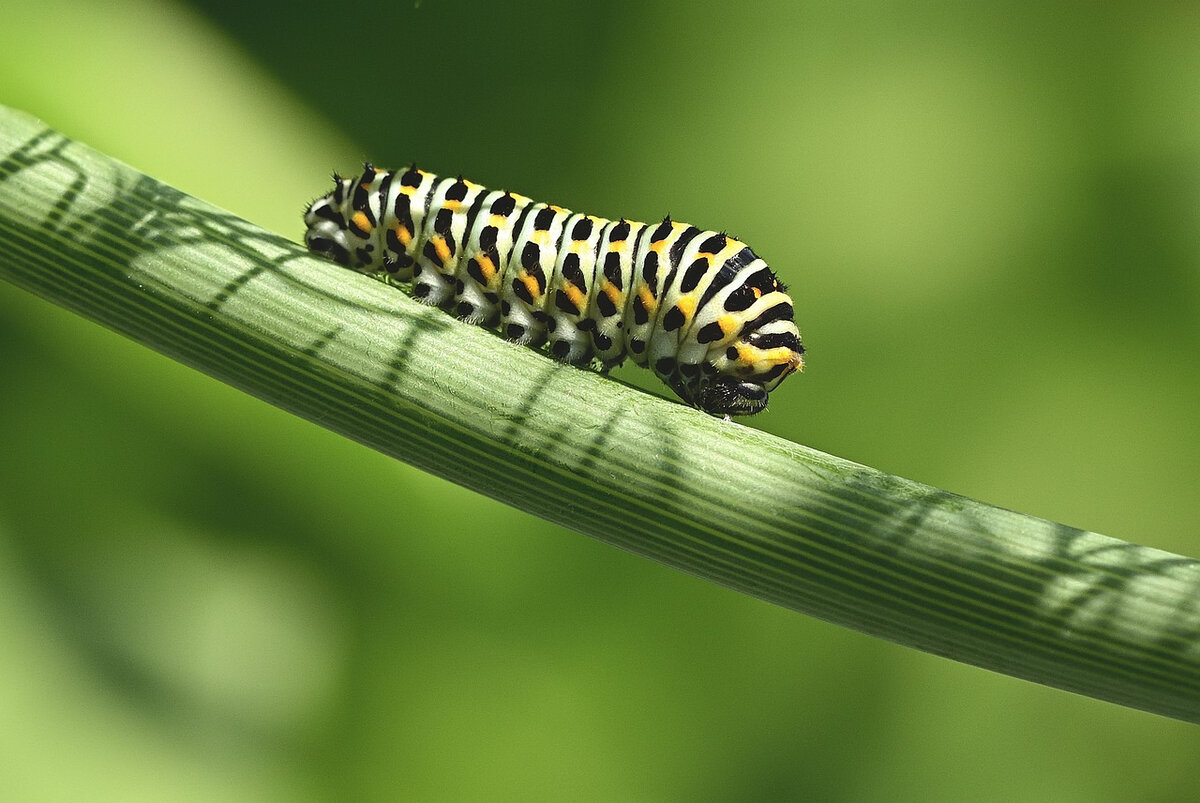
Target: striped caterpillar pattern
697	307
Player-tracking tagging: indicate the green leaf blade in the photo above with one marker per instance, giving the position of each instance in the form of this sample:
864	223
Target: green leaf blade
788	524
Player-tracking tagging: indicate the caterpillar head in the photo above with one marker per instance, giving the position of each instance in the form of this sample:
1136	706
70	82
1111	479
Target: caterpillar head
727	394
743	369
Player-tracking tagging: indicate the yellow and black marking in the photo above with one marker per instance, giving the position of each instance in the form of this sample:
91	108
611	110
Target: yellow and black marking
699	308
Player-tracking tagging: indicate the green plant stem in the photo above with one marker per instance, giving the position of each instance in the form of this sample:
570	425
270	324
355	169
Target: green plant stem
806	530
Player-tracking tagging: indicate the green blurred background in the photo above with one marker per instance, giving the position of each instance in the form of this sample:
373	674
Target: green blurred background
990	219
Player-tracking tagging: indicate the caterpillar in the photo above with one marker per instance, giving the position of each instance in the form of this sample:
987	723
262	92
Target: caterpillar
699	308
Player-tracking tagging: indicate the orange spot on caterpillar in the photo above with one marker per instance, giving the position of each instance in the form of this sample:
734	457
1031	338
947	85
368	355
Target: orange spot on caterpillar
531	284
575	294
486	267
649	302
728	324
442	249
614	295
